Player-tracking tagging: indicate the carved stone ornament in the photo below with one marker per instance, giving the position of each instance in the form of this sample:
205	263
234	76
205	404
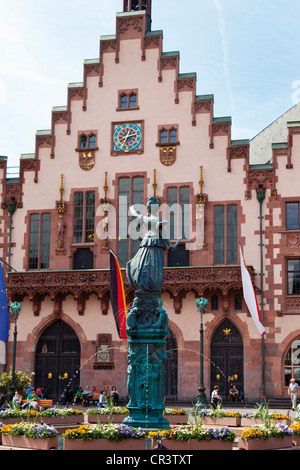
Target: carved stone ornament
168	155
87	160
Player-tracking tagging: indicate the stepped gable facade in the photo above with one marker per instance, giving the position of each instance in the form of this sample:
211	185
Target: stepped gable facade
136	126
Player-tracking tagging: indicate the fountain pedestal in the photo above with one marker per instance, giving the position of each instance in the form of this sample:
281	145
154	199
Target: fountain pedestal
147	330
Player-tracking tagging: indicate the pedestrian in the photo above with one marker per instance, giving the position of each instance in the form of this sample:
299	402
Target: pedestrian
293	392
216	399
114	396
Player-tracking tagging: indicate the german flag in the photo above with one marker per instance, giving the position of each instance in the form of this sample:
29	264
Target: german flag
117	296
4	320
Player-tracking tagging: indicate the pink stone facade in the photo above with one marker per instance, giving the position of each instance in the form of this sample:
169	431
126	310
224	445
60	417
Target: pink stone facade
132	63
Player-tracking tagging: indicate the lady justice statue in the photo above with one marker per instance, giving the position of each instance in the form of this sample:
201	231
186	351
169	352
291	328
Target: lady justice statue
147	324
145	270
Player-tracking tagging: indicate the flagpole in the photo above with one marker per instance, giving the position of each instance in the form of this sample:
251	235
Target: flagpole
119	259
8	265
261	197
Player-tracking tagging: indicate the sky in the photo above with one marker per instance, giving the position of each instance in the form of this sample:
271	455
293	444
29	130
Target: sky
244	53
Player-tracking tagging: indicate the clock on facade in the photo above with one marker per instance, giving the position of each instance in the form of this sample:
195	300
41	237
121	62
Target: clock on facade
128	137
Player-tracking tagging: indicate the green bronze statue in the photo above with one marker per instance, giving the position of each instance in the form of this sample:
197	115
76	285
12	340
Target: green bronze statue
147	324
145	270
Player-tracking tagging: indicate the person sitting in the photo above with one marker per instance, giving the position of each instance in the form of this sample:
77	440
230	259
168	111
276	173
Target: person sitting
43	394
216	399
31	402
17	400
87	395
67	396
233	393
102	403
78	398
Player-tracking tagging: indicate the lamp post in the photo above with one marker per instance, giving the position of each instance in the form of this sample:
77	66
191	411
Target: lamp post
15	309
201	305
261	195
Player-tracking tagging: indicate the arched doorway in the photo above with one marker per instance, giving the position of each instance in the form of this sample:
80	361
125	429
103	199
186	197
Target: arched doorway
57	359
227	358
171	368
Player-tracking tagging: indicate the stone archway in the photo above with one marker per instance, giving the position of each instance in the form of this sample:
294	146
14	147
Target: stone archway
227	358
57	359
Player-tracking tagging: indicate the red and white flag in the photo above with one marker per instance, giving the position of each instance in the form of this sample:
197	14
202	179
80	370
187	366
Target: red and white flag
250	296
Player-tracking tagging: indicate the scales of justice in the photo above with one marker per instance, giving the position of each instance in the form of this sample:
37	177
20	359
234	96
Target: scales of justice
147	324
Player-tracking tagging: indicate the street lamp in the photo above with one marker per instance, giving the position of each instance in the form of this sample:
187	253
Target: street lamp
201	305
15	309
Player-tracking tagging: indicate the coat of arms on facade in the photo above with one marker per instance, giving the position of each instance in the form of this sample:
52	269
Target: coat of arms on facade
87	160
168	155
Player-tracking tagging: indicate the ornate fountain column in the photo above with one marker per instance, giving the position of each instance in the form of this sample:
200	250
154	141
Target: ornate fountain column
147	325
147	330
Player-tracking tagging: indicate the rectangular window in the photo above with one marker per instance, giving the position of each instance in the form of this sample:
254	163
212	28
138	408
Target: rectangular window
226	234
45	240
84	217
39	241
232	235
219	235
292	216
90	217
293	276
131	192
78	217
179	220
172	203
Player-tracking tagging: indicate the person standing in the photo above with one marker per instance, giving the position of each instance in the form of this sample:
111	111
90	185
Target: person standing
293	393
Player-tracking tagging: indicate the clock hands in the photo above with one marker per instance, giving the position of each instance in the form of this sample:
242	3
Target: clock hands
129	134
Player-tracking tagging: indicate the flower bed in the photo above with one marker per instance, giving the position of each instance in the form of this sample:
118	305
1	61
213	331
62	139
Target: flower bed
30	436
175	416
196	437
254	419
219	417
61	416
296	436
104	437
115	414
279	436
13	416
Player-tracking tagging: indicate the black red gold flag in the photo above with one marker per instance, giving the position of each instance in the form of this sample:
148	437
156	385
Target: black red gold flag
117	296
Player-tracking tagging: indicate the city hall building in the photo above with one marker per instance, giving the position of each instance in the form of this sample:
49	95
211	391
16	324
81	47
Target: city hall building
137	127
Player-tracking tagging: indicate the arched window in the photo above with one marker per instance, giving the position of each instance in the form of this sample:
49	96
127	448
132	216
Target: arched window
292	363
123	102
132	101
83	142
164	137
93	141
173	135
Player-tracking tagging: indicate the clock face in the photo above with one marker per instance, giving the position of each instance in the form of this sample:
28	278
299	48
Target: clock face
127	137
